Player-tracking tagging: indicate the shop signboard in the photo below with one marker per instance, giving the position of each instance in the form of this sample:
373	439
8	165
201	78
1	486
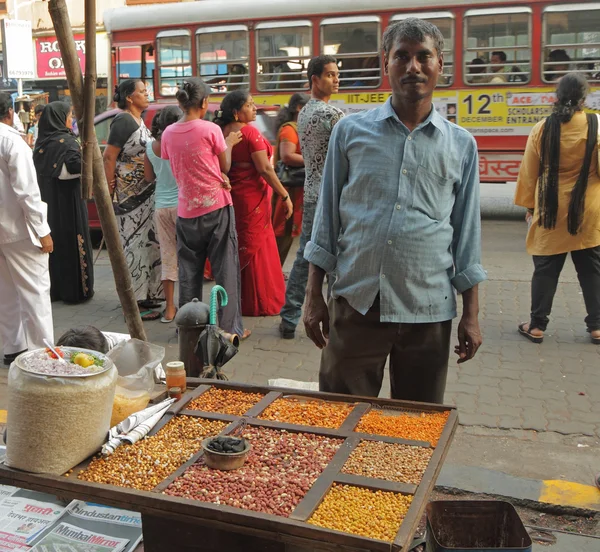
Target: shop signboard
17	50
50	63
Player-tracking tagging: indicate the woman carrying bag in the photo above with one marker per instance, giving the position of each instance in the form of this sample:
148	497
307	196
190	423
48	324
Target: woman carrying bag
290	170
560	186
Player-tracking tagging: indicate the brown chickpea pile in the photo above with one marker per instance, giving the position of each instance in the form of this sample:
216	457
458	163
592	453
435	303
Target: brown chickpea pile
371	514
426	426
307	412
225	401
146	463
389	461
279	470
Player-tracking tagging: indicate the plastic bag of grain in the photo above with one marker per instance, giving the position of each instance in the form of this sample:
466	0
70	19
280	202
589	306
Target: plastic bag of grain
58	412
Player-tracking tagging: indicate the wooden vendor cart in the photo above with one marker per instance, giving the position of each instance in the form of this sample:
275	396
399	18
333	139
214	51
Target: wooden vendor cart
180	524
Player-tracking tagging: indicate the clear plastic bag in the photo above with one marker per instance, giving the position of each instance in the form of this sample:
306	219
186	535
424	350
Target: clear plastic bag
137	362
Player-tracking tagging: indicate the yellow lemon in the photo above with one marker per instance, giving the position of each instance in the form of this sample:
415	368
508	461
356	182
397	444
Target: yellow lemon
83	360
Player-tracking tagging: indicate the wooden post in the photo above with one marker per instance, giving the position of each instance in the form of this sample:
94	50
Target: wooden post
64	35
89	102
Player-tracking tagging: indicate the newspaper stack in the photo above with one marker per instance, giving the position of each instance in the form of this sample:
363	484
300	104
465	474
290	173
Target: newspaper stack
136	427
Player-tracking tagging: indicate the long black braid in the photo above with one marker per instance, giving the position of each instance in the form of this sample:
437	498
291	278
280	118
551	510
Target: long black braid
571	93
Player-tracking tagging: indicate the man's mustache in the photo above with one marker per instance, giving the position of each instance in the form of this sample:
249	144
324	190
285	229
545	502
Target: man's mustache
407	80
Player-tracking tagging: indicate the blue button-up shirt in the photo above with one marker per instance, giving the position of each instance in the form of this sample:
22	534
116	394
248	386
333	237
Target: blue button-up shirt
399	215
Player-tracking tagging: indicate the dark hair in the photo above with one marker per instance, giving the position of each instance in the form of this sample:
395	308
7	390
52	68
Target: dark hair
570	93
316	66
123	91
192	93
234	101
500	54
559	55
86	337
164	118
413	30
5	104
287	112
39	109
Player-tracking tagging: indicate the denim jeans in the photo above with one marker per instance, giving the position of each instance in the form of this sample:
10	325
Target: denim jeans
296	286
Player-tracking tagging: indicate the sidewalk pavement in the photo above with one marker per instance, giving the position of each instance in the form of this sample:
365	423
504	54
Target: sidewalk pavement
528	410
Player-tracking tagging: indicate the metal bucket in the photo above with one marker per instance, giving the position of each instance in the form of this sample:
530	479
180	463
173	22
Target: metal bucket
475	526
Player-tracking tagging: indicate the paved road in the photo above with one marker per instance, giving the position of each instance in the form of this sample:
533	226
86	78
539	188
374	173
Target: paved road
531	410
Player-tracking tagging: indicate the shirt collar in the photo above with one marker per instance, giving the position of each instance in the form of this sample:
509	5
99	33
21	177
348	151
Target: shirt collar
386	111
10	129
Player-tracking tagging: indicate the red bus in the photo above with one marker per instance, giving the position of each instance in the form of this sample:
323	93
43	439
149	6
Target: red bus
502	59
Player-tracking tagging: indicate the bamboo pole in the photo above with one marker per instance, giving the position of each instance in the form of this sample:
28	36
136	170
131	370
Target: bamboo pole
64	35
89	100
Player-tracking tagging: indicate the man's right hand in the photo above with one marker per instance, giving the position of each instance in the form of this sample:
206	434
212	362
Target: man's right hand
47	244
316	319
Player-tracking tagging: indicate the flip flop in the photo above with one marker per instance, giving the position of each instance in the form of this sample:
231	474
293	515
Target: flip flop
525	333
149	315
165	320
245	335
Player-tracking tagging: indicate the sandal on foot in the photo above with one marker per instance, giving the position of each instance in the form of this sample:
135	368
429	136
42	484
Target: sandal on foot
165	320
149	315
527	333
245	335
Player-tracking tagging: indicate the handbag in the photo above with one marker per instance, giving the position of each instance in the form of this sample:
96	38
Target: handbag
290	177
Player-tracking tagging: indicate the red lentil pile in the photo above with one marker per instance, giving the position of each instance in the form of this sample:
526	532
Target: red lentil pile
307	412
426	427
371	514
225	401
389	461
279	471
146	463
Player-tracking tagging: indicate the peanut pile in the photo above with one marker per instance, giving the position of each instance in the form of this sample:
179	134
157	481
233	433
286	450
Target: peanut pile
279	470
307	412
371	514
426	427
146	463
389	461
225	401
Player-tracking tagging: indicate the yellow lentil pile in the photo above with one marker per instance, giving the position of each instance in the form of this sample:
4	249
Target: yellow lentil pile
389	461
145	464
426	427
225	401
307	412
372	514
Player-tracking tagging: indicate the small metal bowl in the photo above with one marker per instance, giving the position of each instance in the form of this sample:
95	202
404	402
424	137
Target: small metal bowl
224	460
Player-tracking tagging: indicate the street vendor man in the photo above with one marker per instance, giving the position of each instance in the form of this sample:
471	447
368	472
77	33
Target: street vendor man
398	227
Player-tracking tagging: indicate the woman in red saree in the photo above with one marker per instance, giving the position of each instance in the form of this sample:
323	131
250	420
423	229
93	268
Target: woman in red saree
253	181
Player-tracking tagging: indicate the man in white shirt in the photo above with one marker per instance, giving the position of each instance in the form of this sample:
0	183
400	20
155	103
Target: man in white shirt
25	243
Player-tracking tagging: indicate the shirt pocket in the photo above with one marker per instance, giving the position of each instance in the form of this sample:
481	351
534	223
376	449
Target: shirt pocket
433	194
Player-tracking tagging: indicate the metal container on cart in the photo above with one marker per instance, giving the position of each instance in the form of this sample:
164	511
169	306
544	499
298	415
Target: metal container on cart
475	526
191	320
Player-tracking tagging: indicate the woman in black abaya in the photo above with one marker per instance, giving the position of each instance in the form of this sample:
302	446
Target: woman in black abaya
57	159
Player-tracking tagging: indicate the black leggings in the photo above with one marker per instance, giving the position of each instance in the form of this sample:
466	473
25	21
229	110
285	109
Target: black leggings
545	280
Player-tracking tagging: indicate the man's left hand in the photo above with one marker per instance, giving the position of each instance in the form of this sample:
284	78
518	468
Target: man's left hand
469	338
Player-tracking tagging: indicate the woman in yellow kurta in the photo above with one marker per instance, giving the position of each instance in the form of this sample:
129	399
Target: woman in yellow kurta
560	185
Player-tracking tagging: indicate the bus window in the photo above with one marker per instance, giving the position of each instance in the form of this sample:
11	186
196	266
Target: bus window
284	49
174	60
354	41
444	21
571	41
223	57
497	46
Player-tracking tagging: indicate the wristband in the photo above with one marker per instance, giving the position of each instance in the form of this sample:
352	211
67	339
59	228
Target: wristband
285	198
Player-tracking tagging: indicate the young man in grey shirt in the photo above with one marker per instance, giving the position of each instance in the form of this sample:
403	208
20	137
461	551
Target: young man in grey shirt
315	123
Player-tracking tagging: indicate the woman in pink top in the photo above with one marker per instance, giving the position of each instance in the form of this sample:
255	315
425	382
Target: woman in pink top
199	156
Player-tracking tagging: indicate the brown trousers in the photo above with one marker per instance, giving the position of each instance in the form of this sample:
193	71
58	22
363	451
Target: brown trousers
354	360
